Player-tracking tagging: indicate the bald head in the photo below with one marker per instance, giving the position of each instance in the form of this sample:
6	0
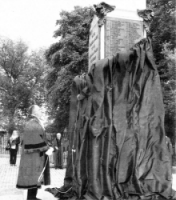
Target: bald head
58	135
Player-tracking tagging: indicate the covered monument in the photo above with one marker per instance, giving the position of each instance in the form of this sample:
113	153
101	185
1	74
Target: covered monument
118	147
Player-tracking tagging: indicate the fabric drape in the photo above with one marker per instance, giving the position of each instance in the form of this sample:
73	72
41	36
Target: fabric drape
118	144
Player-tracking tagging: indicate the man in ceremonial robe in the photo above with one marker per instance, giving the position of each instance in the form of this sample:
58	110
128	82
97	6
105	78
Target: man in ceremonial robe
33	158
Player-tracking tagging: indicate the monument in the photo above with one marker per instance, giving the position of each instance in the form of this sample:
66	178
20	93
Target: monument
115	29
118	148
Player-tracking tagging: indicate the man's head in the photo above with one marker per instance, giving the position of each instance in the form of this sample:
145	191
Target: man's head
58	136
35	110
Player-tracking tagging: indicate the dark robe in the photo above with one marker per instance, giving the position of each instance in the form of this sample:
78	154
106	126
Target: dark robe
118	148
58	153
33	158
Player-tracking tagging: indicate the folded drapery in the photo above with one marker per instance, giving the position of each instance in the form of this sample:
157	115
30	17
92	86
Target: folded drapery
118	130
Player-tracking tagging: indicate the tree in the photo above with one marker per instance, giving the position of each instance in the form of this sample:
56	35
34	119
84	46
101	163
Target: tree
169	92
20	80
68	58
163	26
163	30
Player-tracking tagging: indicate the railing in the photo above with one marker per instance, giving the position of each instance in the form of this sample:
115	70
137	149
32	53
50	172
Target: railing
3	144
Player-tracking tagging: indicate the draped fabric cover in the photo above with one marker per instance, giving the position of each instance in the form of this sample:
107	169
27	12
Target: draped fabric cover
118	139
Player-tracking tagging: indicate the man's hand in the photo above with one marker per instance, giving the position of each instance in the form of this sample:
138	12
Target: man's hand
49	151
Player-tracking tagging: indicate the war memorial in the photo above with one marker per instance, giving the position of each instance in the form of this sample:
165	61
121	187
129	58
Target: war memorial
117	142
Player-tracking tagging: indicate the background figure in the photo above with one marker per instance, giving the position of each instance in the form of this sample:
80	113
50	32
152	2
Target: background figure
169	146
13	144
57	151
33	157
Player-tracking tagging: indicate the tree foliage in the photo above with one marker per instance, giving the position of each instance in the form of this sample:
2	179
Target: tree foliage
169	91
163	25
20	79
164	45
68	58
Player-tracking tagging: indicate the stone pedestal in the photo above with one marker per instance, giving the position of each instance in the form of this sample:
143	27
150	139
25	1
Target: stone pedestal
120	30
120	35
94	41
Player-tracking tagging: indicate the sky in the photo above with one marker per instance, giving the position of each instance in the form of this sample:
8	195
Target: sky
34	21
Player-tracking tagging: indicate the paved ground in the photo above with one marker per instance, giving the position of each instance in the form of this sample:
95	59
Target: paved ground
8	178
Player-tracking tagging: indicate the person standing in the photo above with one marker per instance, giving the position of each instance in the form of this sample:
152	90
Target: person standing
169	146
13	144
34	165
57	151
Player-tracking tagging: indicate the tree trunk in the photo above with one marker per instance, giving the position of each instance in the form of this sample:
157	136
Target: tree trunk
11	125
